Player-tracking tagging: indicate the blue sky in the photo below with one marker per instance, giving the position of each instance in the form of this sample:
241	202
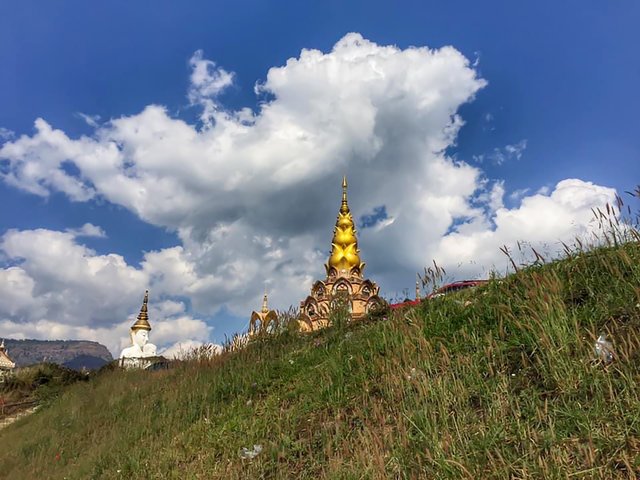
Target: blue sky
554	98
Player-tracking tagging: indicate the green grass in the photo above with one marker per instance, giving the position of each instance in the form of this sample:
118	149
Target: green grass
494	382
40	383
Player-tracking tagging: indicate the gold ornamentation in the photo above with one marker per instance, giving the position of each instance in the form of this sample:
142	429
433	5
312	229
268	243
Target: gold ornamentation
345	256
344	278
261	321
142	323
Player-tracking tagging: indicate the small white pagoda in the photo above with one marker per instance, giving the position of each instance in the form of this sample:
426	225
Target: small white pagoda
6	364
141	353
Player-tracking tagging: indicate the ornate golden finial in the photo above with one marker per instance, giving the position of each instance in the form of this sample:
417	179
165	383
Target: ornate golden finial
344	208
265	305
142	323
417	290
344	245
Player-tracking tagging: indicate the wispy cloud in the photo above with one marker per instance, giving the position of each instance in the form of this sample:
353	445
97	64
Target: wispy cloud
91	120
207	82
516	195
500	155
87	230
6	134
515	151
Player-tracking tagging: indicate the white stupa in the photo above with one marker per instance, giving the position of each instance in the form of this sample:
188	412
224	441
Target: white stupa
140	352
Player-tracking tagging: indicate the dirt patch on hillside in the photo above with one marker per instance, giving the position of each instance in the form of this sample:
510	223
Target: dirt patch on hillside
16	416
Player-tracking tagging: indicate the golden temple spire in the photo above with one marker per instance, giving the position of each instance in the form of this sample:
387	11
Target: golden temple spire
344	208
262	321
417	290
142	323
345	258
265	304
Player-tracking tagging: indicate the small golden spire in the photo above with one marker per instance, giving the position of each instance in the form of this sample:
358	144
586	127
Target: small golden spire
262	321
417	290
142	323
344	208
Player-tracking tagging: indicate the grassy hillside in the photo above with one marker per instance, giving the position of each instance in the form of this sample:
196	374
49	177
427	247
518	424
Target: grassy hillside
494	382
34	385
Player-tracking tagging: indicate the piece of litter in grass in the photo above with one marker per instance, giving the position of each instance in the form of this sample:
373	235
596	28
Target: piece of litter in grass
250	454
414	373
604	349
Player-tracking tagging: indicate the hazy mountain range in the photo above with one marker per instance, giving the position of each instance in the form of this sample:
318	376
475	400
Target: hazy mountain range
70	353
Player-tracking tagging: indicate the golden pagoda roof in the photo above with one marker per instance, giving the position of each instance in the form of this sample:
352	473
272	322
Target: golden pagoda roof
142	323
264	316
344	245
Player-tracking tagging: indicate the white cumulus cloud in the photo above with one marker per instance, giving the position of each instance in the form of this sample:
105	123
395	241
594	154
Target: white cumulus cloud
54	287
253	195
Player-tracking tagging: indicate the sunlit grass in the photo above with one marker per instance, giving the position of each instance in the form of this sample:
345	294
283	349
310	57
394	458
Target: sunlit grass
500	381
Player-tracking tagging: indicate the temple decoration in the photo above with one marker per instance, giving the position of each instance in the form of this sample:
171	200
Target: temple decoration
264	320
417	290
6	364
140	347
344	283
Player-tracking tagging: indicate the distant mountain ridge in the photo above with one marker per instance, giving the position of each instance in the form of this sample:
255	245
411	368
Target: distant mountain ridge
70	353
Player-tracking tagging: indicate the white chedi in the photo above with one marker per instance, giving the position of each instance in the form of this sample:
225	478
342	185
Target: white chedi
140	346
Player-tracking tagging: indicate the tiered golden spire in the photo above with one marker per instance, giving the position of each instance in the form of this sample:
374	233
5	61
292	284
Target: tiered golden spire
344	207
264	320
142	323
344	246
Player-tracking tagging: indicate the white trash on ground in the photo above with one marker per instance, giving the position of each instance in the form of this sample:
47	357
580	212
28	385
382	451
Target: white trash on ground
604	349
245	453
